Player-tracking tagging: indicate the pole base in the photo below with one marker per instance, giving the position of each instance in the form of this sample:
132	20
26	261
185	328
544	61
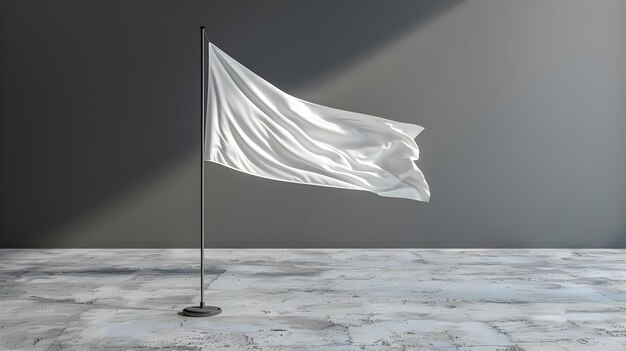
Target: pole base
201	311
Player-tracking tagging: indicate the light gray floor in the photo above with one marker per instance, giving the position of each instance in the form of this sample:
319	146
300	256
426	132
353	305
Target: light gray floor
315	299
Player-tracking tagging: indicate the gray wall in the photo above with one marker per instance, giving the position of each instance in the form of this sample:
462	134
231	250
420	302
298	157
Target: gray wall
524	105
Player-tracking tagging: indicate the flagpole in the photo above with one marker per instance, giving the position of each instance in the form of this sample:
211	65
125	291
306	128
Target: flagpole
202	310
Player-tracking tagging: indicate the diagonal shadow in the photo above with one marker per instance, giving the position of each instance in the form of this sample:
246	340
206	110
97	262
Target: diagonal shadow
97	96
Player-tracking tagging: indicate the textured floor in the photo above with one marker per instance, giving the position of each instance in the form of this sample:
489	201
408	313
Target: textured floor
315	299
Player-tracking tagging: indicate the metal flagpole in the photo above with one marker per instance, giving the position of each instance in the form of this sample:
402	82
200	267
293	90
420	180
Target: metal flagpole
202	310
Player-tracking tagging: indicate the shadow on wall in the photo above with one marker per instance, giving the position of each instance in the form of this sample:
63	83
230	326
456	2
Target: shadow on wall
98	97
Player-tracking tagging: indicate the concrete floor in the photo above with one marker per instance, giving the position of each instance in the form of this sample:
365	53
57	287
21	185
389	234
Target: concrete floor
315	299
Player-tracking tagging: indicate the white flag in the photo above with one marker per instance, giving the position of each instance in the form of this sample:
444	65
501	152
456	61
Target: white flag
254	127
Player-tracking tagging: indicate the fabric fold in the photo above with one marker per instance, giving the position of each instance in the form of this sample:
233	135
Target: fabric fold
256	128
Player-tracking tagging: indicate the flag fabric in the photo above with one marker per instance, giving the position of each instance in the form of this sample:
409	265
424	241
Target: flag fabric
254	127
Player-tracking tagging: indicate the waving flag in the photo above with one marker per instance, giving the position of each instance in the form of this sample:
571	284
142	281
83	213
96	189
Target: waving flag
254	127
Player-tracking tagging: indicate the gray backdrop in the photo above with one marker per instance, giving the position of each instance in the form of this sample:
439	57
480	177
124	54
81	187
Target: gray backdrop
524	105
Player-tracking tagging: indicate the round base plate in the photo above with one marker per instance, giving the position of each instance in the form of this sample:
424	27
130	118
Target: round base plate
197	311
